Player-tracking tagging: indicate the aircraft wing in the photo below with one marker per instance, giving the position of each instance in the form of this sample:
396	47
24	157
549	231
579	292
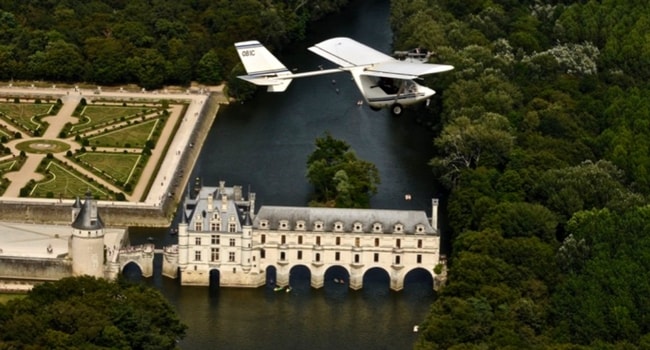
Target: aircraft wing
405	70
349	53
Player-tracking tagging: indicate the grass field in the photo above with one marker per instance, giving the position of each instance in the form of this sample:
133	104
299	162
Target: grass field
134	135
5	297
65	183
24	113
108	114
118	166
7	166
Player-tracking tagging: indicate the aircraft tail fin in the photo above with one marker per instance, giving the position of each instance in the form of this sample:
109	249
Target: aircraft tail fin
262	67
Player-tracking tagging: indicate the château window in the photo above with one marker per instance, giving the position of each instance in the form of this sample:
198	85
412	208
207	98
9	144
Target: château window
398	260
399	228
262	254
419	243
376	242
283	239
318	226
284	224
300	225
358	227
198	226
231	242
197	241
232	227
264	224
337	256
215	226
263	238
356	258
338	240
216	239
197	255
299	239
215	254
376	228
317	240
231	257
376	257
338	226
357	242
419	229
299	255
398	243
282	255
419	258
317	257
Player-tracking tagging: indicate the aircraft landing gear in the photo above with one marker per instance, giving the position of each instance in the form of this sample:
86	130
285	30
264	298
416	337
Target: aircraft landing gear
376	109
396	109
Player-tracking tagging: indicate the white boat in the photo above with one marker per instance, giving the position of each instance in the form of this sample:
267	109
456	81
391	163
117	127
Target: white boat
416	328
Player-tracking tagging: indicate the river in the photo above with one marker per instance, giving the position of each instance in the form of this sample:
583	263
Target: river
263	144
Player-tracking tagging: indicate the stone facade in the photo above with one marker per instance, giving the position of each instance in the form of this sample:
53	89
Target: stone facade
220	231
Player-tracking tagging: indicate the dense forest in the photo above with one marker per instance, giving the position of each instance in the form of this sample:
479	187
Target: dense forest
147	42
543	147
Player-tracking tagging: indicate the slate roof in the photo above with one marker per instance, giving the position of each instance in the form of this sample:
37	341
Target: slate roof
88	217
348	217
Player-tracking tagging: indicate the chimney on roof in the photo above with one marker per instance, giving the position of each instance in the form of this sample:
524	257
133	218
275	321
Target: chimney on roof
224	202
434	213
210	202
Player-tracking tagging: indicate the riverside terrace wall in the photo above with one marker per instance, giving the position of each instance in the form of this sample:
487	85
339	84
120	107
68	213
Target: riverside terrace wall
114	214
34	269
120	214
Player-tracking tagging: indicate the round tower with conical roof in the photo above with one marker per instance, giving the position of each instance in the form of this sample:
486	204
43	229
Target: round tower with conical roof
87	240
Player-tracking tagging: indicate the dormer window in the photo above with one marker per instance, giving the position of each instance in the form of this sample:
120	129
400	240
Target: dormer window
318	226
376	227
215	216
284	224
264	224
419	228
338	226
398	228
357	227
300	225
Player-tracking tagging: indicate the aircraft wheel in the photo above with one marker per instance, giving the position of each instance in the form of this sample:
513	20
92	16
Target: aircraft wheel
376	109
396	109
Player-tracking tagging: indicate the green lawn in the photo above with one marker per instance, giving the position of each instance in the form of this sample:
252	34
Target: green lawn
5	297
65	183
118	166
134	135
99	115
24	113
7	166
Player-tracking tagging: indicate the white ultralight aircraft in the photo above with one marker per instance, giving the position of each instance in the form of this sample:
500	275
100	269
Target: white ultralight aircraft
384	81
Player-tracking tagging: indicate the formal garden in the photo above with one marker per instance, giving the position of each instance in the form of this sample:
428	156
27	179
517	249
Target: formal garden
105	149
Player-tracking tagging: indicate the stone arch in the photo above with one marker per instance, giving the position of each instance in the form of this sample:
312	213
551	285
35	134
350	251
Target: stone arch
300	277
132	271
418	279
214	279
376	280
271	276
337	274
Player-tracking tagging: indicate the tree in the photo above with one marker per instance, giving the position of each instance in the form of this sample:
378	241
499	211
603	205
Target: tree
86	312
466	144
339	178
209	68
